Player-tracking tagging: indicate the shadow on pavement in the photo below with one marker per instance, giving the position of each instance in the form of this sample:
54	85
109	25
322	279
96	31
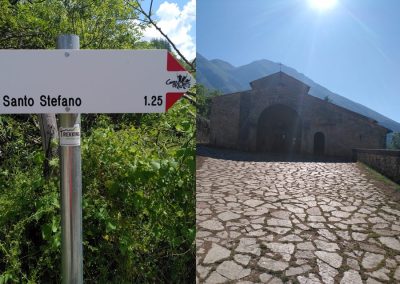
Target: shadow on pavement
235	155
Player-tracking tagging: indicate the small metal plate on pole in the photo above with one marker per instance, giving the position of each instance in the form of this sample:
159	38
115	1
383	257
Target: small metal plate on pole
70	136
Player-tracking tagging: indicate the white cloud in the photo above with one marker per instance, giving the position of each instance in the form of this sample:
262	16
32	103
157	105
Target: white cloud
177	24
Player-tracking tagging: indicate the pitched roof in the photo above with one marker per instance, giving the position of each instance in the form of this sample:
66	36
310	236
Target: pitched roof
278	79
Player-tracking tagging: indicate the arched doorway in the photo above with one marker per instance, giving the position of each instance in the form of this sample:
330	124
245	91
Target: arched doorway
319	143
279	130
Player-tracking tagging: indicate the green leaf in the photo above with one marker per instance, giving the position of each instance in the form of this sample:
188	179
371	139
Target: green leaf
54	225
140	193
46	231
110	227
54	162
155	165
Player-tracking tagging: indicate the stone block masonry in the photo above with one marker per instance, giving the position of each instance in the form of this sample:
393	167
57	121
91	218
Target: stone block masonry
386	162
278	115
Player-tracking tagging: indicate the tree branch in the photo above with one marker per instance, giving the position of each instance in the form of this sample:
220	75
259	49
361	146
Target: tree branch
151	5
190	99
140	9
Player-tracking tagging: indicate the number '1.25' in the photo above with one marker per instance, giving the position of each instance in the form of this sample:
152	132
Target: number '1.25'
153	100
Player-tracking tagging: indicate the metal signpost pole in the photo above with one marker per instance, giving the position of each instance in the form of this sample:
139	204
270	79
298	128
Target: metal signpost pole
71	185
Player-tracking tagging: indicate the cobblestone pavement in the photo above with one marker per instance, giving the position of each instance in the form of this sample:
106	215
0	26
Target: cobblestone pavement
294	222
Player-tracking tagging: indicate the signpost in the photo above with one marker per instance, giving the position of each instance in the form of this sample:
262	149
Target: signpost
71	186
70	81
90	81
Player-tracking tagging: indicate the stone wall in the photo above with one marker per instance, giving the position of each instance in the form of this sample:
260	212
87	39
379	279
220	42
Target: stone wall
224	121
202	130
343	130
387	162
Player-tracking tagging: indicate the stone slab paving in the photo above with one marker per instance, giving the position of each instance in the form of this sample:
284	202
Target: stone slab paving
294	222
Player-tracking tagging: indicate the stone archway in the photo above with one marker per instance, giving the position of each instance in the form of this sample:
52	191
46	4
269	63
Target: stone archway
279	130
319	143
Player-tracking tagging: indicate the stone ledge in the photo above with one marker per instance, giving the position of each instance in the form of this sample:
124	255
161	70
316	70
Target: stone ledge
385	152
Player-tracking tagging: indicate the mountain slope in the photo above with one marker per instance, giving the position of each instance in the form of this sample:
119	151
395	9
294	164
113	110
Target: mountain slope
220	75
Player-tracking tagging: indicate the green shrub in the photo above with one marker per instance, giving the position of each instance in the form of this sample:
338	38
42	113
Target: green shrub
138	202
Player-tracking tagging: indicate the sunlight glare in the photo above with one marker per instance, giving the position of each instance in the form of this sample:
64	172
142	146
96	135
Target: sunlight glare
322	5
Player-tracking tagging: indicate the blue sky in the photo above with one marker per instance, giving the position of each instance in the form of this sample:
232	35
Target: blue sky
352	48
176	18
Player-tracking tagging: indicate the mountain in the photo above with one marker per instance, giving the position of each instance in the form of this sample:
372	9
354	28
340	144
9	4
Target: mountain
220	75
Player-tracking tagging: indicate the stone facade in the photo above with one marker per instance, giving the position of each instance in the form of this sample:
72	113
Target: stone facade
278	115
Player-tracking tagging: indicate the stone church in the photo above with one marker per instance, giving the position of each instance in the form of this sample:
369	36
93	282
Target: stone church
278	115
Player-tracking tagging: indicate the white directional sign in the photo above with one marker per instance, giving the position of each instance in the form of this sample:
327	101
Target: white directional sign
90	81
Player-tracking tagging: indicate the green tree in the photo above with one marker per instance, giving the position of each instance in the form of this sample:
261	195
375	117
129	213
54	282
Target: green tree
204	98
395	141
328	99
34	24
160	43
